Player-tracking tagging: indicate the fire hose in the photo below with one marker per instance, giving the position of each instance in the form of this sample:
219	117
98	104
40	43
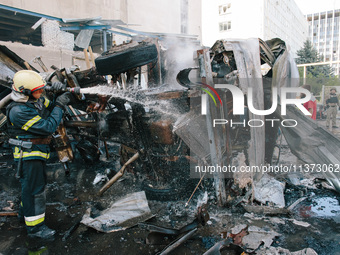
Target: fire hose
5	101
75	90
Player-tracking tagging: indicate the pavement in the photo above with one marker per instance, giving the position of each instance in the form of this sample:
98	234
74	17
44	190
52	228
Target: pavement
334	131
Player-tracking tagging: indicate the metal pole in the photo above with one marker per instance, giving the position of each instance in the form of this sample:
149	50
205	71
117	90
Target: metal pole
304	74
319	63
139	77
104	40
214	134
323	95
105	47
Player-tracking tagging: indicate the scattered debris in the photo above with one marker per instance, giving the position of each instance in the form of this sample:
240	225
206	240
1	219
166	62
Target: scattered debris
8	214
69	232
187	203
118	175
178	242
266	210
276	220
237	234
161	235
122	214
173	238
282	251
293	205
242	179
252	216
100	178
269	190
239	228
10	207
258	236
301	223
326	185
225	244
151	127
243	238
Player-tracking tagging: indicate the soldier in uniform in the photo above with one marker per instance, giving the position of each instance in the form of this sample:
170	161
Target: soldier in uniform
333	104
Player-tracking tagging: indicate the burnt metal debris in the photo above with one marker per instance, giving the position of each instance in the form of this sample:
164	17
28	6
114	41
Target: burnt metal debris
156	125
173	238
159	125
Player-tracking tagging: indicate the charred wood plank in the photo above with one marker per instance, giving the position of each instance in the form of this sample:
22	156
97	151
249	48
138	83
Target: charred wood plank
2	214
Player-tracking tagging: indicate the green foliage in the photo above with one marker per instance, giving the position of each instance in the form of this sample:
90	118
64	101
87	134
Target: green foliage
317	76
317	82
308	54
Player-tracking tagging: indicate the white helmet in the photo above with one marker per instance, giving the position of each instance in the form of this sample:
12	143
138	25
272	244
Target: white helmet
27	81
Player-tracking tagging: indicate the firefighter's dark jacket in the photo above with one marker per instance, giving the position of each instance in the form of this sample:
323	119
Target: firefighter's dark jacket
33	119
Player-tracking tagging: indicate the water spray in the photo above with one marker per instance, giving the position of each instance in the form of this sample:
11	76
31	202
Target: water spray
133	96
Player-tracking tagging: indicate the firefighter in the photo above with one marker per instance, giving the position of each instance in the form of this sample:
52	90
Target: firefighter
33	118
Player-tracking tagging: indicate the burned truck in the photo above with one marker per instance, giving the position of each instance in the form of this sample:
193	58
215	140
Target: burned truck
161	110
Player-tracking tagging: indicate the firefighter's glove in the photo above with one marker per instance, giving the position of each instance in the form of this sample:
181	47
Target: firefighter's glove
64	99
58	86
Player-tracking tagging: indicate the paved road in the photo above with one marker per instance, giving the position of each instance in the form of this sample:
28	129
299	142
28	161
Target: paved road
335	131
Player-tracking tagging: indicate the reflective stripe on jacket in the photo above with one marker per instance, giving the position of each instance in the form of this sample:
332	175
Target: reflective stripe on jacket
31	154
33	120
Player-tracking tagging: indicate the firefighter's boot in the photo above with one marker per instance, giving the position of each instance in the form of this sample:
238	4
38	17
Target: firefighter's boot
40	231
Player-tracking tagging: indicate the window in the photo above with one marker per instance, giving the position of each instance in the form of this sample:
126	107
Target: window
224	9
225	26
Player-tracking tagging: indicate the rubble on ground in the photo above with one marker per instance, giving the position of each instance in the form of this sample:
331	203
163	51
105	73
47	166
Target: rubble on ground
137	141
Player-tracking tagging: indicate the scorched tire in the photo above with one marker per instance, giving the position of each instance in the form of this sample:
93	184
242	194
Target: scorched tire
121	61
181	189
162	194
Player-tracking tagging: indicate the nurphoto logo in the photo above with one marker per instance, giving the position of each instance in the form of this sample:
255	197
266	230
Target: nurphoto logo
238	104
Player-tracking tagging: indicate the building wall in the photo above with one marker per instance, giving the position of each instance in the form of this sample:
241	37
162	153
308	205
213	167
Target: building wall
59	58
265	19
107	9
154	15
150	15
285	20
245	18
209	23
324	33
195	18
164	16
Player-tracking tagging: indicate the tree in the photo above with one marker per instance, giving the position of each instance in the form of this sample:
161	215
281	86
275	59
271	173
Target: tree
308	54
317	76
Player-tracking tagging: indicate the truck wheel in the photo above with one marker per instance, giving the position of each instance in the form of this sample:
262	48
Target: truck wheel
161	193
170	191
122	59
